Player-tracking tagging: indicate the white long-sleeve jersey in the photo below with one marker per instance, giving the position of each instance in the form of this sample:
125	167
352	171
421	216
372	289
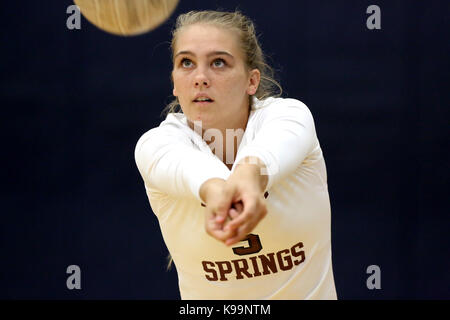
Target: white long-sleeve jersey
288	254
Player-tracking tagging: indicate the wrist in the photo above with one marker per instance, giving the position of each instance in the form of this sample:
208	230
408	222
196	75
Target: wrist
210	186
252	168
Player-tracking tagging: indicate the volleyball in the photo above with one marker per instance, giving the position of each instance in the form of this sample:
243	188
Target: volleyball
126	17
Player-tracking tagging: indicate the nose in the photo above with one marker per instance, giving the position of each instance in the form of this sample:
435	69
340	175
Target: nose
202	83
201	80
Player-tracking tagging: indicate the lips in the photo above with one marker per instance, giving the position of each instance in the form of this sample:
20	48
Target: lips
203	98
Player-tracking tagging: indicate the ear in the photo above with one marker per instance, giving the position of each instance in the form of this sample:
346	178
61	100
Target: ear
174	92
254	80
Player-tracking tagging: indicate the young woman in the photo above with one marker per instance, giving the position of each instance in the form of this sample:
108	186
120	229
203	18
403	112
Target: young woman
237	179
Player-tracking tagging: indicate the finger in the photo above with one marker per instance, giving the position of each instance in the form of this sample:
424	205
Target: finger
233	213
245	228
210	220
232	241
219	235
220	218
215	230
211	226
246	214
237	237
253	211
221	213
239	206
236	222
242	232
223	208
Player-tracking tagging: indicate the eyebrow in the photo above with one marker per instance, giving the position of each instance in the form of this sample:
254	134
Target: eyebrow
214	53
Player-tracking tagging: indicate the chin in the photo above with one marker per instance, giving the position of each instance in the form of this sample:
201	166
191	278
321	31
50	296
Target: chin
205	119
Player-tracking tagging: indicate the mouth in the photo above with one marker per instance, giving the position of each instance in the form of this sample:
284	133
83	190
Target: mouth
203	100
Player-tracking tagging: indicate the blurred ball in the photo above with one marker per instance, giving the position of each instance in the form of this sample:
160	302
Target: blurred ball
126	17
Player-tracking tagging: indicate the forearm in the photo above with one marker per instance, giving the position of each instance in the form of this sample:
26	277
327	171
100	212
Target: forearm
285	138
173	167
208	187
253	169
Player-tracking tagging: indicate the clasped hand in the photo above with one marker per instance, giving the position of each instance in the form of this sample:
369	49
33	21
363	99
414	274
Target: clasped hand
234	206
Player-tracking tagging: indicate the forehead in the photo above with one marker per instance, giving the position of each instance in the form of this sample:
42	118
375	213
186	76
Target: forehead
202	38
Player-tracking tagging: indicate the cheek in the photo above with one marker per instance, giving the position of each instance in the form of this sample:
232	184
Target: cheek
179	82
239	82
235	88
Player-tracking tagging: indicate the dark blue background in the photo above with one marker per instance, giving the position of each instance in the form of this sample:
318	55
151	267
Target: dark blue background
75	102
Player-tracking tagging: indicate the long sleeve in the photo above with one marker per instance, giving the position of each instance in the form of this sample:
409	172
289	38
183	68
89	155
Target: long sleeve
284	137
168	161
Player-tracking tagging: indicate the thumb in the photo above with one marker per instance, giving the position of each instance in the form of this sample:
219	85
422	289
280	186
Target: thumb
221	212
224	206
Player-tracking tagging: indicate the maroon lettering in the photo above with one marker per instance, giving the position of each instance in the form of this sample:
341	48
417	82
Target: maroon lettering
212	271
241	269
268	262
222	270
298	253
286	259
255	266
254	245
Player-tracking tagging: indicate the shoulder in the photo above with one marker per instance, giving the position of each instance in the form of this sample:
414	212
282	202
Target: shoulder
272	106
277	101
173	128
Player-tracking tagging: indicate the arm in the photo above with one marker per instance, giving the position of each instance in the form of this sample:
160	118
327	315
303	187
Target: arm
247	184
227	199
285	137
167	161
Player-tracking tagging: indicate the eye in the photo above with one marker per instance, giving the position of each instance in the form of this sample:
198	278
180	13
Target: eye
219	63
186	63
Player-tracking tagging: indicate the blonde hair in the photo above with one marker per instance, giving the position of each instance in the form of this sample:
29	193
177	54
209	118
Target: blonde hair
245	29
